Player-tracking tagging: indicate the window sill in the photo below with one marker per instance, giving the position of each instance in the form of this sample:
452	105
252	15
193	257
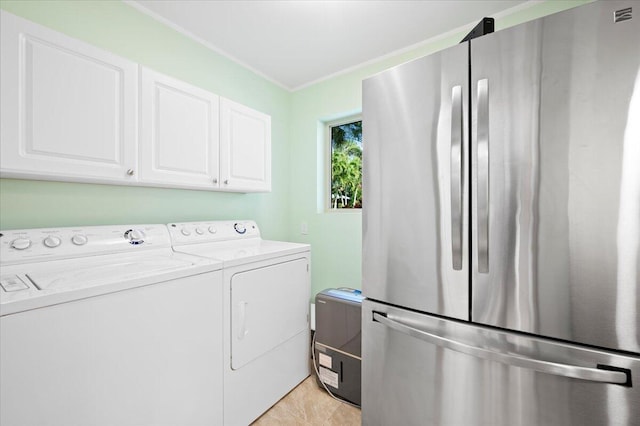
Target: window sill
343	211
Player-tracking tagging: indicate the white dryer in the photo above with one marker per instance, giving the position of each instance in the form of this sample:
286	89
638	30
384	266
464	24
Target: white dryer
266	311
108	326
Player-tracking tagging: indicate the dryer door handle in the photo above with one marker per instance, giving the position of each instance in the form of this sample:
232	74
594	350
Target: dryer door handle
242	313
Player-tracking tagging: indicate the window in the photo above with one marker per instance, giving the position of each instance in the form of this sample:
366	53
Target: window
346	164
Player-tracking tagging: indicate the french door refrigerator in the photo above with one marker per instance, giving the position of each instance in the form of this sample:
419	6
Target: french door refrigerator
501	228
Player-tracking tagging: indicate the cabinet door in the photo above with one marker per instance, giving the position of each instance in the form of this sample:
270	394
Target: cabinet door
179	133
245	148
68	109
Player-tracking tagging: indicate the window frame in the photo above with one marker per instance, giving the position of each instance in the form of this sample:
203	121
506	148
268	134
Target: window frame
328	165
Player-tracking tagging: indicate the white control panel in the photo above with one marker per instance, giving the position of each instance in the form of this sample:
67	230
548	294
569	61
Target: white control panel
32	245
207	232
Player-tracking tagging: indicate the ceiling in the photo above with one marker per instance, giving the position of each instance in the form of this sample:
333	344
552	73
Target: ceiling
299	42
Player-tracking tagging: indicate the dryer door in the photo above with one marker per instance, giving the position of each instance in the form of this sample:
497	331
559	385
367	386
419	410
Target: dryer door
269	305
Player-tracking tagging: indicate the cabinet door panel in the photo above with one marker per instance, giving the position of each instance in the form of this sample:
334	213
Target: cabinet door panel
68	108
179	137
245	150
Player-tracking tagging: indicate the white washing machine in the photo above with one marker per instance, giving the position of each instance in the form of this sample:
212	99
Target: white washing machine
108	326
266	311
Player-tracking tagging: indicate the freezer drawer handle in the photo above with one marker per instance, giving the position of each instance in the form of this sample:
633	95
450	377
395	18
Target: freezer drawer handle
482	153
566	370
456	177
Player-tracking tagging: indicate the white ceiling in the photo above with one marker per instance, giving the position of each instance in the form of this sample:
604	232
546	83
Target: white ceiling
295	43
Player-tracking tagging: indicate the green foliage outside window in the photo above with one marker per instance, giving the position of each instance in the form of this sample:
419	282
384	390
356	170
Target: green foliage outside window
346	166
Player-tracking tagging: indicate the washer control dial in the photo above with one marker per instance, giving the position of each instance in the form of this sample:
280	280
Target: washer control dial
185	232
212	230
239	227
79	239
52	241
21	243
199	231
134	236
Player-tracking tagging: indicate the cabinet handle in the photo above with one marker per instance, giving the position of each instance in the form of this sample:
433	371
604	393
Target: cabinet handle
226	181
215	180
131	172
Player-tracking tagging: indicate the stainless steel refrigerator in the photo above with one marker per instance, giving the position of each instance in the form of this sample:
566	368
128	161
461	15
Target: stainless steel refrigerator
501	228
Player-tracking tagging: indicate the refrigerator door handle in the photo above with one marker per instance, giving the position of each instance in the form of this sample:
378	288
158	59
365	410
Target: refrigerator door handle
456	177
483	175
565	370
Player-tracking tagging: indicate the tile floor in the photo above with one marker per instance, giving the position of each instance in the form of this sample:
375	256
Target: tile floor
308	404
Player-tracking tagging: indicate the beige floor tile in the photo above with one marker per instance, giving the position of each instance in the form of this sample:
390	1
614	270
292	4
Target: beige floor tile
309	405
345	415
278	415
315	405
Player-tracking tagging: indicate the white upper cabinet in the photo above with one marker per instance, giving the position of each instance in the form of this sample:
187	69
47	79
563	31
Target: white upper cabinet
245	148
68	109
178	133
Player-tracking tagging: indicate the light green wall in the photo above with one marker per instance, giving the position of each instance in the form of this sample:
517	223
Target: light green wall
336	237
297	119
122	29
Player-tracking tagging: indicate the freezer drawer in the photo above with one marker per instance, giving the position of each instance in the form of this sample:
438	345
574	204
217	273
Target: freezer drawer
423	370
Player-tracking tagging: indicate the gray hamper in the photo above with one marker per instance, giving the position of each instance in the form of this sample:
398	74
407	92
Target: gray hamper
338	340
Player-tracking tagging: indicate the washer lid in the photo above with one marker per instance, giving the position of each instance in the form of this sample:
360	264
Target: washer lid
35	285
92	275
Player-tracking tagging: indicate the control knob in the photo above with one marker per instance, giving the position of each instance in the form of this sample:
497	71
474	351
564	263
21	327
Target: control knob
134	236
51	241
21	243
79	239
185	232
239	227
212	230
199	231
